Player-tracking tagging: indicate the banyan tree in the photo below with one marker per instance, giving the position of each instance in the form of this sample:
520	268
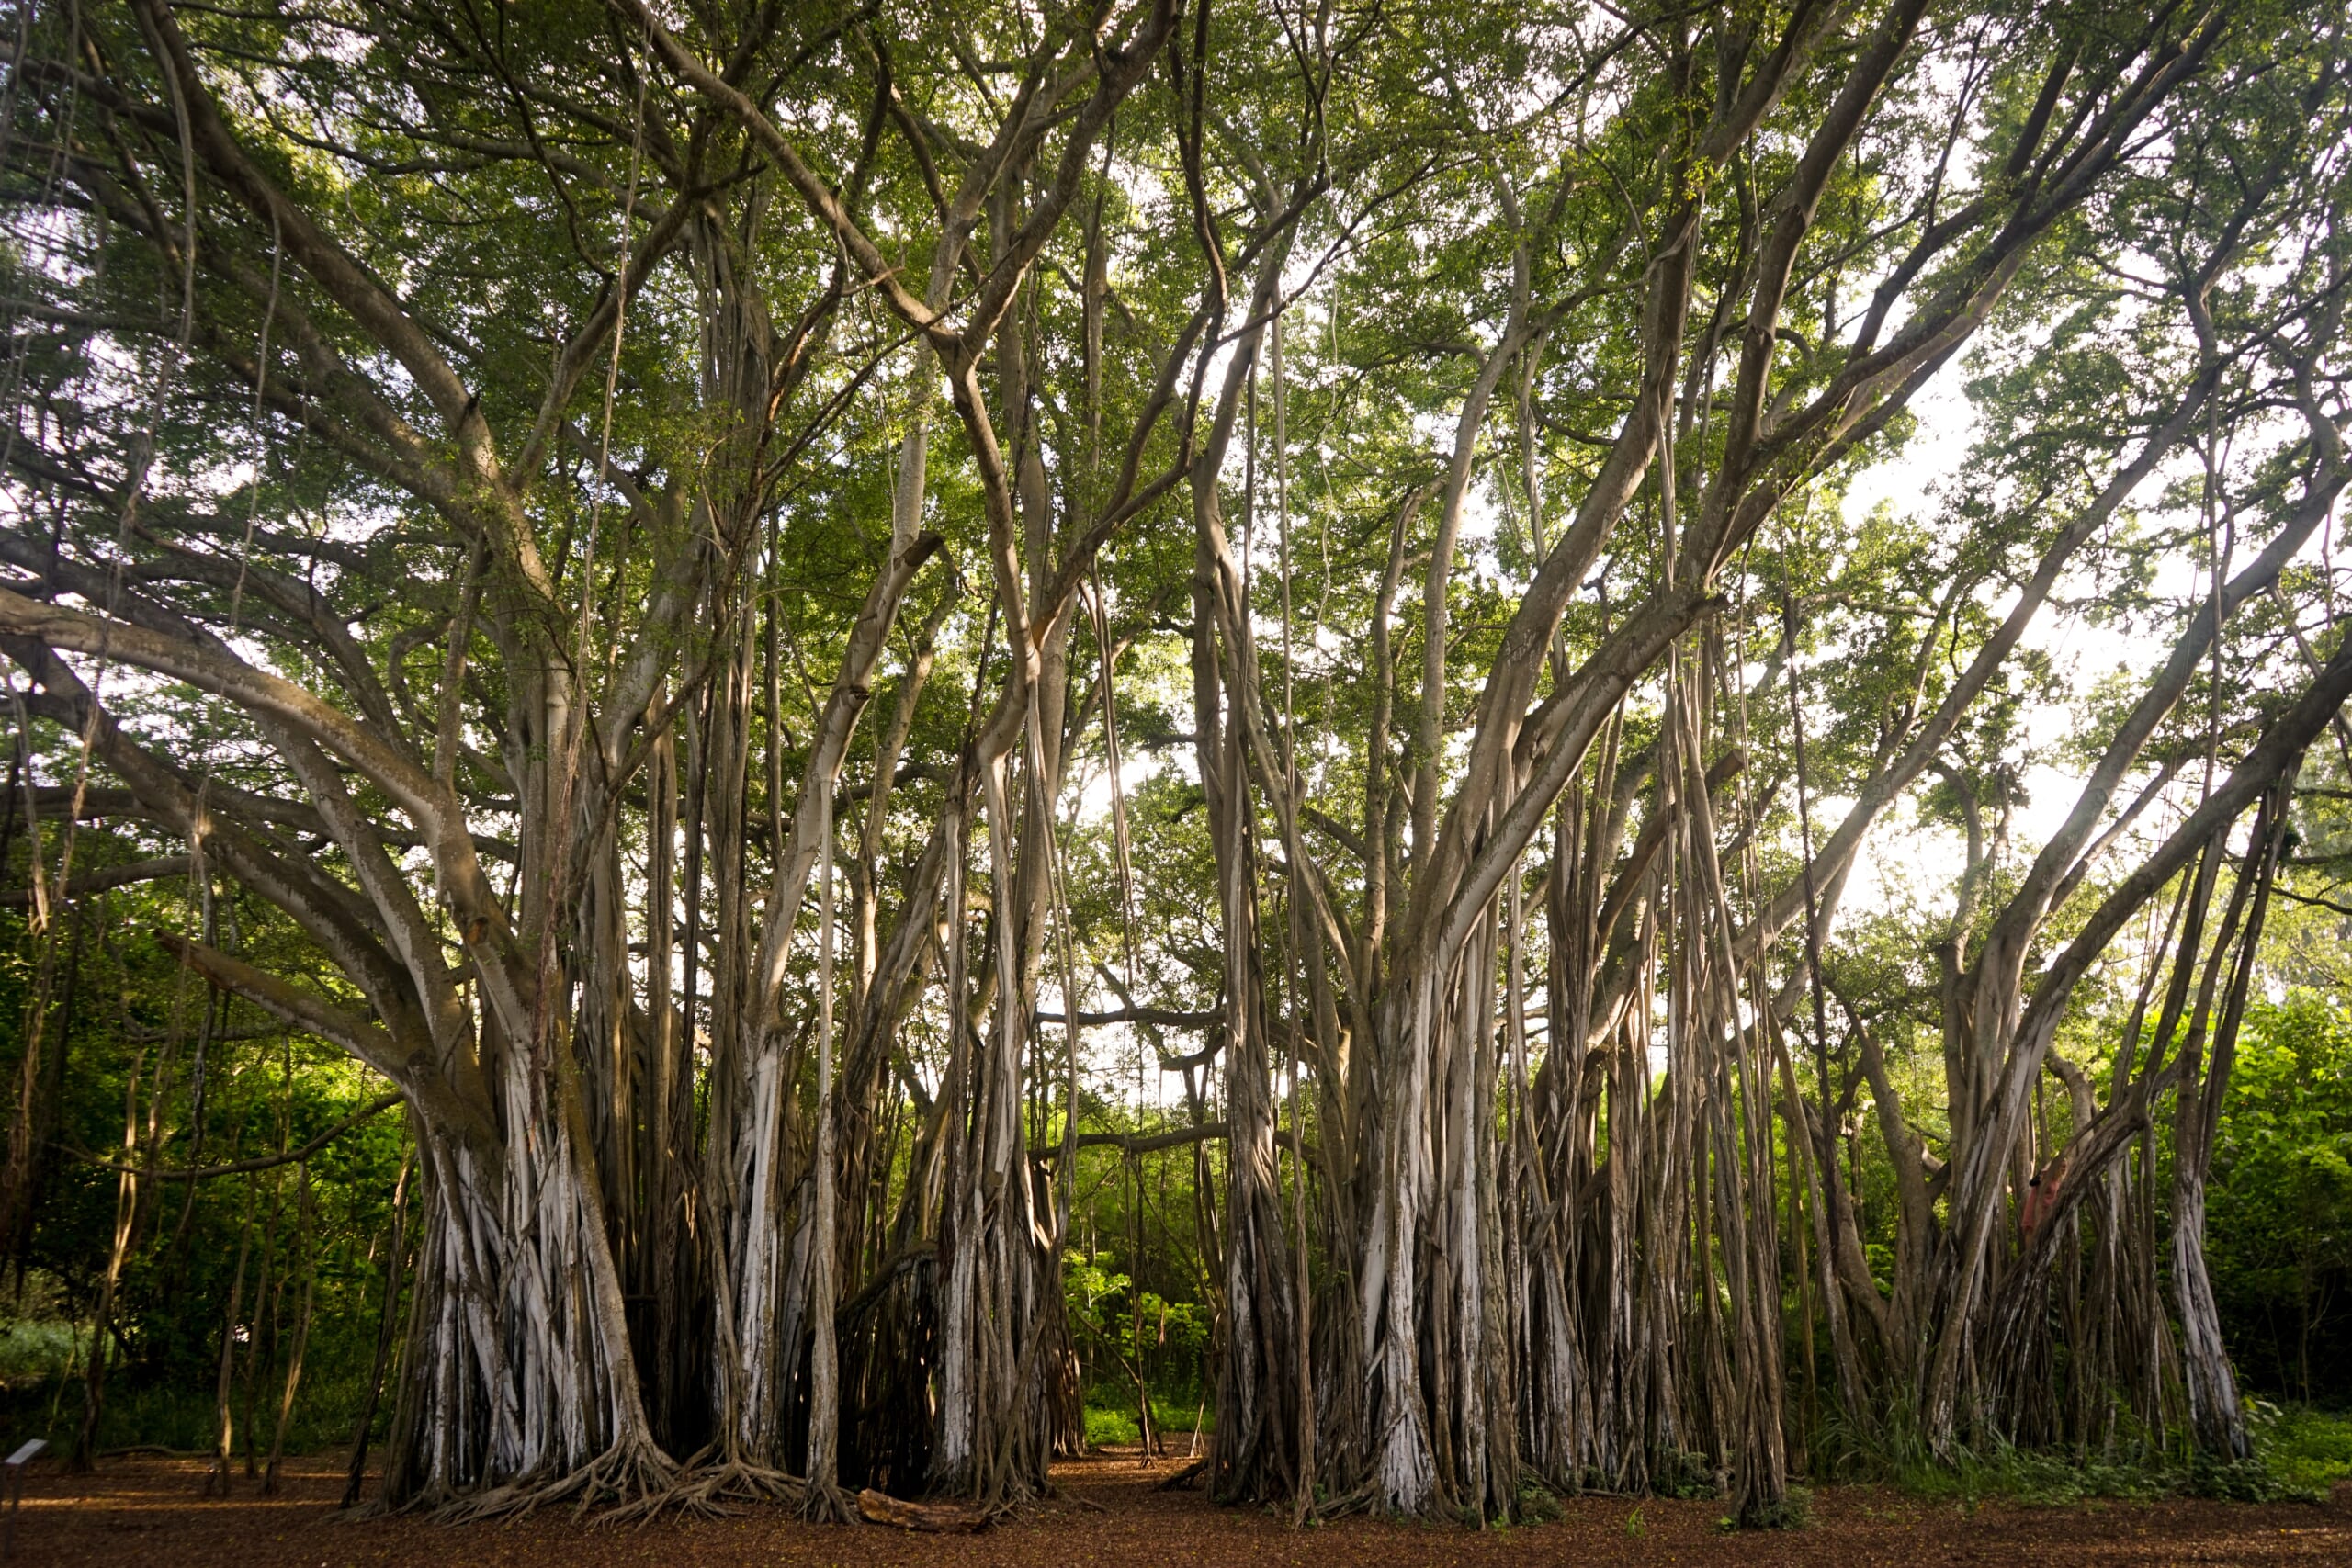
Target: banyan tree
758	603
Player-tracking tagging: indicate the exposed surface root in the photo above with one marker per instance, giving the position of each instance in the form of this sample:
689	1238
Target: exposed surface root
1356	1501
822	1503
631	1473
717	1490
1188	1476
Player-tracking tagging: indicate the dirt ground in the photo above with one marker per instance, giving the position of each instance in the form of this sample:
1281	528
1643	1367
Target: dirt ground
146	1512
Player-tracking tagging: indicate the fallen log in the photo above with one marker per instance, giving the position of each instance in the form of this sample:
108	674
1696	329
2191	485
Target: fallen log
934	1519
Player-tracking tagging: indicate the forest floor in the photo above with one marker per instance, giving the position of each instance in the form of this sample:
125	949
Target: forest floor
1111	1513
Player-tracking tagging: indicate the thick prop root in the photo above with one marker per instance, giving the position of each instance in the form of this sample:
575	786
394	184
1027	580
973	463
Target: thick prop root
822	1503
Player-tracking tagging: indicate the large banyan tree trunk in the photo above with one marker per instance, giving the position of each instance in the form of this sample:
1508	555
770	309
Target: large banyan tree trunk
526	1387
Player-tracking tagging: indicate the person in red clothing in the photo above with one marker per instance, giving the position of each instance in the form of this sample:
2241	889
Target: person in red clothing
2041	1194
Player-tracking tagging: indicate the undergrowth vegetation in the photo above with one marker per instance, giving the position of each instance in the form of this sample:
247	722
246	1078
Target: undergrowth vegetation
2300	1453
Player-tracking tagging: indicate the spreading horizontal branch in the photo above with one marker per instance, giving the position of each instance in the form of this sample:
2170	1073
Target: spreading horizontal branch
1140	1143
1166	1017
104	877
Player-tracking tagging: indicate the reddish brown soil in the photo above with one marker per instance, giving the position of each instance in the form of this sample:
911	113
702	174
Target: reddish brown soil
147	1514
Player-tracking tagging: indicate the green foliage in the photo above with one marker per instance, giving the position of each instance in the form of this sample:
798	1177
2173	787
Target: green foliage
2279	1224
135	1013
1682	1472
2307	1450
1115	1424
2027	1475
2300	1453
1170	1354
1793	1512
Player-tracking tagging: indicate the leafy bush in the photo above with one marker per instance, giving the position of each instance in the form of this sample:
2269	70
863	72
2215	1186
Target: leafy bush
2278	1231
2307	1450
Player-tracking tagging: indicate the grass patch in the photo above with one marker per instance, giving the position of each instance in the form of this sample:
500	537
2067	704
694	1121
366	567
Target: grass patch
1115	1424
